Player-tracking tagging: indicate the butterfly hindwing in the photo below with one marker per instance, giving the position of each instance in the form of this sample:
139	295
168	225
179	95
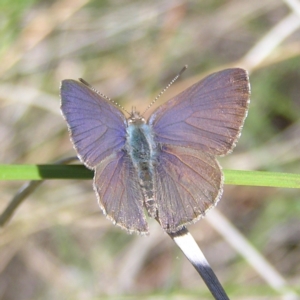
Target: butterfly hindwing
97	127
119	193
208	116
188	182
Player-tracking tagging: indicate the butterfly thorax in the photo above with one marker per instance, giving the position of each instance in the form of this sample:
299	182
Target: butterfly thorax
142	150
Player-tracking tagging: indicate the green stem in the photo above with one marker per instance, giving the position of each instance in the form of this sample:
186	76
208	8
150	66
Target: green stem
232	177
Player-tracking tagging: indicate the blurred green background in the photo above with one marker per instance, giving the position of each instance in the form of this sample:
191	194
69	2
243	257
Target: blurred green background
59	245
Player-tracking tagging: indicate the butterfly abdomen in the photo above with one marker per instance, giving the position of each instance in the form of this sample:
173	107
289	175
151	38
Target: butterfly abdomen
142	151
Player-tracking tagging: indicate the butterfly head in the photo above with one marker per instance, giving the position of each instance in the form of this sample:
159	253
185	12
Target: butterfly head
135	118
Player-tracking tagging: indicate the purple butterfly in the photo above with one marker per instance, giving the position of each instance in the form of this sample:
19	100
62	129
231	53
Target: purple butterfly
166	165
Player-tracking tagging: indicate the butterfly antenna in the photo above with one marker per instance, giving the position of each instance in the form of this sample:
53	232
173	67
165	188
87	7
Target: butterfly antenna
102	95
172	81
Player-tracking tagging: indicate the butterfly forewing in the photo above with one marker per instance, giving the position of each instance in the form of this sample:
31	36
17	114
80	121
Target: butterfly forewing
97	127
208	116
188	183
119	194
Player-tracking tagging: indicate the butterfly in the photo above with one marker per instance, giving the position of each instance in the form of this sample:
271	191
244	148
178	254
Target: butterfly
167	165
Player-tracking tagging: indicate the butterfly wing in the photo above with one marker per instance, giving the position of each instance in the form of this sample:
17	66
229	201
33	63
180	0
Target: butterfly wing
97	127
98	132
119	193
188	183
207	116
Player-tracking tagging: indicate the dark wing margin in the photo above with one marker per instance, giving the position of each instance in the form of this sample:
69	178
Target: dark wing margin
207	116
97	128
119	194
188	183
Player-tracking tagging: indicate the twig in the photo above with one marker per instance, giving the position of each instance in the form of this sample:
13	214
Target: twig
270	41
191	250
27	189
254	258
38	29
294	5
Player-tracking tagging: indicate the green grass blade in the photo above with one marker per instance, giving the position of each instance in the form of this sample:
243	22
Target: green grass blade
262	178
41	172
232	177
